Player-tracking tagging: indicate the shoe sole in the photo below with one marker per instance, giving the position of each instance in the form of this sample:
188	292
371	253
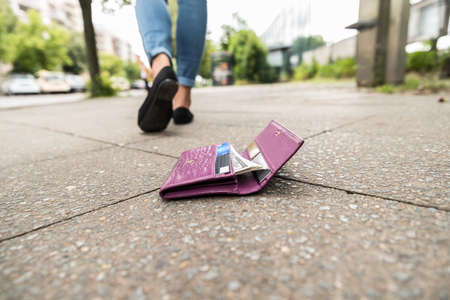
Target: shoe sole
159	113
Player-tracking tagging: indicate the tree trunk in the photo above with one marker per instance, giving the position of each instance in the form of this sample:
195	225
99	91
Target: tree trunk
91	45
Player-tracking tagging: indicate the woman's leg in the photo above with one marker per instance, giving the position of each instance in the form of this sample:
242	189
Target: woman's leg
191	32
155	27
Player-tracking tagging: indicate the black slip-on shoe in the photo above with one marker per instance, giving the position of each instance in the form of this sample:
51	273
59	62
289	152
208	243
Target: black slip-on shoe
182	115
156	111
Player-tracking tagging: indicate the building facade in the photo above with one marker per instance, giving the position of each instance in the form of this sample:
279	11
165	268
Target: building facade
63	12
425	19
67	13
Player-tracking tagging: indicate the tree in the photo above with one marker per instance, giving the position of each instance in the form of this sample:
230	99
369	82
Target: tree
303	44
91	47
112	64
37	46
205	66
8	23
91	44
173	11
132	71
230	30
249	55
76	51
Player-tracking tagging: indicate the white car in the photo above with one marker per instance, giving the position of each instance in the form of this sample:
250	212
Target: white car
53	82
20	84
76	82
120	83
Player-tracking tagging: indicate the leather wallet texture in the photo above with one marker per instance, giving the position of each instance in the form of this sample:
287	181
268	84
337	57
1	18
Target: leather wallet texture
194	173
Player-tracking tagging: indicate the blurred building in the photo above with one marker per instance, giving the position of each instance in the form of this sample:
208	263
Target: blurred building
67	13
63	12
425	19
108	43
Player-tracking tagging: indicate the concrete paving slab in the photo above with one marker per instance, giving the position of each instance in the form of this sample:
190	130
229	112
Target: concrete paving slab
398	155
44	192
23	144
109	120
291	241
114	121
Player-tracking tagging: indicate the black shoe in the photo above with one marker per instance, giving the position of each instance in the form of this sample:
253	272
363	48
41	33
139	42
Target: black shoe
156	111
182	115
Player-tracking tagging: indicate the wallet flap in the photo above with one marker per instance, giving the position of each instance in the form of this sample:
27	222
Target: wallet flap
277	144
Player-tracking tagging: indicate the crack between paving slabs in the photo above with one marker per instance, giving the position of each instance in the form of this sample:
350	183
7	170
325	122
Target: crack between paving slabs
112	144
348	191
170	156
77	215
58	157
338	127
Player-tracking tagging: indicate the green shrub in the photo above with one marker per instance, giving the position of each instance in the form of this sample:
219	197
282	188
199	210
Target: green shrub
341	68
269	75
411	83
422	61
344	67
105	89
326	71
112	64
304	71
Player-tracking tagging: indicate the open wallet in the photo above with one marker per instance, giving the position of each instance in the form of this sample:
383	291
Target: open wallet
219	169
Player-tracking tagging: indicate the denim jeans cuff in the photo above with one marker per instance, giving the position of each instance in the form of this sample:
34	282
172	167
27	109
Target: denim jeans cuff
154	52
186	81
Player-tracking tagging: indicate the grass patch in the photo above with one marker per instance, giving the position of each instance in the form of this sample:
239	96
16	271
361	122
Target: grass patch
386	89
418	84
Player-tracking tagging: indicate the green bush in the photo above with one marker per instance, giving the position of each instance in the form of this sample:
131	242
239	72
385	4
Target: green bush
411	83
422	61
269	75
341	68
249	55
112	64
305	71
326	71
132	70
344	67
105	89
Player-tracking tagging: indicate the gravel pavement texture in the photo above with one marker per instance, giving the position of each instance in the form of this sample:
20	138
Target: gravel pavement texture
360	212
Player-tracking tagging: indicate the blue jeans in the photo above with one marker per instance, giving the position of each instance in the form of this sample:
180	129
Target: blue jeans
155	27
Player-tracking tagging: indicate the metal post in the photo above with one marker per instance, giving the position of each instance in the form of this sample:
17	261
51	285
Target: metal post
380	47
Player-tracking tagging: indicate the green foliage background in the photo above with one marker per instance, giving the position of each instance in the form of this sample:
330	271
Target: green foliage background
8	23
34	46
249	55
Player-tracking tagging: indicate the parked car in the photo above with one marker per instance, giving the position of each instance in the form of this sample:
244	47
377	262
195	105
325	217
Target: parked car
53	82
76	82
120	83
20	84
138	84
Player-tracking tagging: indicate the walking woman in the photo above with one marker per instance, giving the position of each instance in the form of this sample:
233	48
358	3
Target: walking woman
170	94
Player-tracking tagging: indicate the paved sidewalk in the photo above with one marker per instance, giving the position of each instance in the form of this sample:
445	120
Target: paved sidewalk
360	212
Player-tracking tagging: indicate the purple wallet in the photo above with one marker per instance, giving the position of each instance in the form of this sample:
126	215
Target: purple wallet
195	172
